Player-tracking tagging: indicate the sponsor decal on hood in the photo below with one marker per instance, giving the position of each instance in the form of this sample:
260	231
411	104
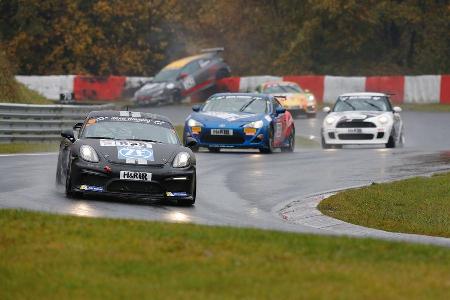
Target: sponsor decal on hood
230	117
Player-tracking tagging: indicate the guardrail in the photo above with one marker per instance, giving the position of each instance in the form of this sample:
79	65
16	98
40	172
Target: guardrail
25	122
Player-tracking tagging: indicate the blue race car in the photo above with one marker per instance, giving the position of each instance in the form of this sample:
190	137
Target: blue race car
241	120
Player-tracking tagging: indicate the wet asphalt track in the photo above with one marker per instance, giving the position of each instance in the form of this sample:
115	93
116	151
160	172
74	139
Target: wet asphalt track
244	188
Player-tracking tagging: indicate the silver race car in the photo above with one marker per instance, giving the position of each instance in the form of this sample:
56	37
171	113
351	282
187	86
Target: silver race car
362	119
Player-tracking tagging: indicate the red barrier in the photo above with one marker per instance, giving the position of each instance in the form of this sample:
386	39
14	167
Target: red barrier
229	84
445	89
98	88
387	84
309	82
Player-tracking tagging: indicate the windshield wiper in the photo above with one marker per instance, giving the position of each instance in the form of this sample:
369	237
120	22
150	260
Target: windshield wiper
373	105
99	137
143	140
354	108
248	104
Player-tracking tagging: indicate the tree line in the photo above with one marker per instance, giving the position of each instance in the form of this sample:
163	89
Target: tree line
138	37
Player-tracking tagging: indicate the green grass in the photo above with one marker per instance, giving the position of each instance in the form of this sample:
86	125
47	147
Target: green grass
53	257
416	205
29	147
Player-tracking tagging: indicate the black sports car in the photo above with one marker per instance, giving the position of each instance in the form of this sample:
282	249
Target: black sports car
125	153
190	76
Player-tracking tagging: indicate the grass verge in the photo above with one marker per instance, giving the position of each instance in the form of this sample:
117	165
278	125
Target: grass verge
417	205
29	147
54	257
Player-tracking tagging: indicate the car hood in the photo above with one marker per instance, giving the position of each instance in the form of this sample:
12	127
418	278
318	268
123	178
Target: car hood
358	115
215	118
151	88
133	152
293	98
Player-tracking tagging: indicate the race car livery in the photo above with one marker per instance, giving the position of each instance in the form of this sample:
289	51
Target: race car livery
185	77
129	154
241	120
296	100
362	118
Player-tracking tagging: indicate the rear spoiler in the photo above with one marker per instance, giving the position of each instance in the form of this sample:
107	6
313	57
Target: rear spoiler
216	50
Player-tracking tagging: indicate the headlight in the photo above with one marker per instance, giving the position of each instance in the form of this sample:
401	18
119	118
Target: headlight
330	120
170	86
88	153
181	160
383	119
256	124
194	123
310	98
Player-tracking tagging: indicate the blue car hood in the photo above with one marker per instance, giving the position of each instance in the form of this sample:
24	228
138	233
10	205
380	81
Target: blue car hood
216	118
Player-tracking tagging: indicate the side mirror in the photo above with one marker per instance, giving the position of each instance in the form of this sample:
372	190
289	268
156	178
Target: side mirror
68	134
197	107
190	142
280	110
397	109
77	126
326	109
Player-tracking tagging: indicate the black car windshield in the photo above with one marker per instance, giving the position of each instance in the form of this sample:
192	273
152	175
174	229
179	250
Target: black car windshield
248	104
281	89
167	74
362	103
129	131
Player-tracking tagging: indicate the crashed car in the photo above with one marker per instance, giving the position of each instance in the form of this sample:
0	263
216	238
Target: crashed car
126	154
241	120
185	77
296	100
362	119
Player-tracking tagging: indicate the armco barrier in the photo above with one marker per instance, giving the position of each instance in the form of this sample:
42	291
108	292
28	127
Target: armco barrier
24	122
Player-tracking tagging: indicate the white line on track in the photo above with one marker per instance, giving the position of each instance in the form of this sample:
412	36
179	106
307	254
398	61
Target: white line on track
28	154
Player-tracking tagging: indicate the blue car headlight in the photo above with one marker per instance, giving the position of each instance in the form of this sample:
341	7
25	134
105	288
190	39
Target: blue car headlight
256	124
194	123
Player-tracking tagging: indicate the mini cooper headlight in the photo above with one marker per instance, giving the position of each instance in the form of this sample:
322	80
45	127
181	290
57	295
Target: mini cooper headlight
194	123
181	160
256	124
383	119
330	120
310	98
88	154
170	86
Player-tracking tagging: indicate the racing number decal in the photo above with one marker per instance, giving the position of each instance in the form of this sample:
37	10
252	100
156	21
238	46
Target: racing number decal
188	82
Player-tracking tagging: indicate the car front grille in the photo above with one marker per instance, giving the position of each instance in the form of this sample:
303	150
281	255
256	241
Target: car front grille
356	124
135	187
355	136
222	139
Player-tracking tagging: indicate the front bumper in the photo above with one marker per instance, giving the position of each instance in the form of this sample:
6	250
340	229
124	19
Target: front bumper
166	182
299	109
356	136
239	139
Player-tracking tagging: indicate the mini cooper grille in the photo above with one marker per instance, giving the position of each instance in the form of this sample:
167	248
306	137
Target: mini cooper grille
222	139
356	124
135	187
355	136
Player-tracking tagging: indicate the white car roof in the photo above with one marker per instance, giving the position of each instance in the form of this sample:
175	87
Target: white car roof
362	94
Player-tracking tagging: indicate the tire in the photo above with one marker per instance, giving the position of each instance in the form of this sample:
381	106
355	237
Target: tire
269	148
324	144
391	142
70	193
214	150
58	175
291	146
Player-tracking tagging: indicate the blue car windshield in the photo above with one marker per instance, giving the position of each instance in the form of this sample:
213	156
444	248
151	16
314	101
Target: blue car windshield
236	104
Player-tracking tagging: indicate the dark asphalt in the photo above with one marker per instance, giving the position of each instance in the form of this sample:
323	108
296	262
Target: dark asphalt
244	188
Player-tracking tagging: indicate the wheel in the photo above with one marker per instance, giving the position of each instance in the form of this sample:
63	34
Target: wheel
391	142
291	146
58	175
70	193
269	148
311	115
324	144
214	150
176	97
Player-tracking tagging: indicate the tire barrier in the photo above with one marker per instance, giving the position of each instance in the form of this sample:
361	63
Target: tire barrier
24	122
404	89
